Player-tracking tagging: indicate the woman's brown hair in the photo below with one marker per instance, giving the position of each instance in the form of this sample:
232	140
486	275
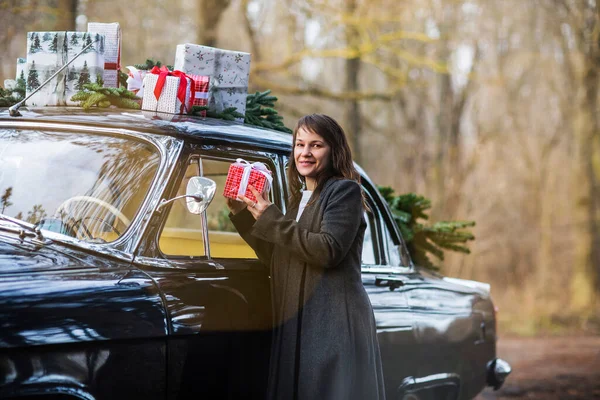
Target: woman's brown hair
340	165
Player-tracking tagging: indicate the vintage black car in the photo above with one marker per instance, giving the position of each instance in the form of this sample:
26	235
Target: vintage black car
110	289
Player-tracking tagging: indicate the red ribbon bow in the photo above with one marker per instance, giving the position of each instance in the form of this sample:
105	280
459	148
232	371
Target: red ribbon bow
162	73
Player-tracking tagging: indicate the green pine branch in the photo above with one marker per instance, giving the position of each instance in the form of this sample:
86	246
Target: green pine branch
260	111
95	95
423	240
9	97
122	77
149	64
229	114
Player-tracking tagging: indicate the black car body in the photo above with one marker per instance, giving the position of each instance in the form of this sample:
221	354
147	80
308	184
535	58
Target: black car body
107	293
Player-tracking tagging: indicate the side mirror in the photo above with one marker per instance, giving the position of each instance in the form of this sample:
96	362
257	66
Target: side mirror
199	193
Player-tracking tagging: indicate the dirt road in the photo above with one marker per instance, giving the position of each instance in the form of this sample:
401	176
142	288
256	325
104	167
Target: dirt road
550	369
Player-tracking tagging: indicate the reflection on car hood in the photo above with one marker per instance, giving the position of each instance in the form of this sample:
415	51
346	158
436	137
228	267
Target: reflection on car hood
26	256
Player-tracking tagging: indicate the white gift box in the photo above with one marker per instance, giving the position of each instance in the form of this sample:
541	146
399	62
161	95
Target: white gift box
112	50
229	72
168	102
47	52
157	115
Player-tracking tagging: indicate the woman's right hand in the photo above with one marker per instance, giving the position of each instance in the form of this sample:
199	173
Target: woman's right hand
235	206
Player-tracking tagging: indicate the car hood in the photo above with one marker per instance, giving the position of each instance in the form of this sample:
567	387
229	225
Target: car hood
27	256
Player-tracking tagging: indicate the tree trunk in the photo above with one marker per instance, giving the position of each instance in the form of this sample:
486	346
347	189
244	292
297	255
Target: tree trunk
585	290
352	107
66	14
444	123
209	15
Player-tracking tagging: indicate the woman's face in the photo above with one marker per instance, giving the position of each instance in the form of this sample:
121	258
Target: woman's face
311	154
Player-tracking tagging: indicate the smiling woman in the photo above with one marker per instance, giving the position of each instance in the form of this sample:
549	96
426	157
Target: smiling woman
325	342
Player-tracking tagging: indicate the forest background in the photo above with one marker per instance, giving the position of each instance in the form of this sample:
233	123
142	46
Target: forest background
487	107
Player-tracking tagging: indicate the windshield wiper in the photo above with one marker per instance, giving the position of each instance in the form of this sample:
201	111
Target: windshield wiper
27	229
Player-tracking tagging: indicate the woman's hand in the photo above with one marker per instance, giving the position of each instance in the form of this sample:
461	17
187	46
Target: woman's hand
257	207
235	206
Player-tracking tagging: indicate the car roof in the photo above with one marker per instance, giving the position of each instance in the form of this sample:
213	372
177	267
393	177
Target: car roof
157	123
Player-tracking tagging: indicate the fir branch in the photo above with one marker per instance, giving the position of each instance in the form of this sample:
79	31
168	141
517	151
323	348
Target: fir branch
94	99
429	247
151	64
424	240
9	97
198	110
126	103
94	94
455	247
228	114
260	111
123	79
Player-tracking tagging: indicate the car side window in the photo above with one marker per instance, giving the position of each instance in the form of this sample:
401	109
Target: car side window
369	241
182	234
393	252
382	238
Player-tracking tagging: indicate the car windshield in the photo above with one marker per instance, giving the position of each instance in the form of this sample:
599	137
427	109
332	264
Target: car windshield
78	184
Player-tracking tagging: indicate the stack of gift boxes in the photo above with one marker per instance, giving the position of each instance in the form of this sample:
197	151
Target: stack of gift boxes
98	54
201	75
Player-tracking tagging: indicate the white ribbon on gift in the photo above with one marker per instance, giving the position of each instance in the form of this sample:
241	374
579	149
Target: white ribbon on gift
248	167
135	81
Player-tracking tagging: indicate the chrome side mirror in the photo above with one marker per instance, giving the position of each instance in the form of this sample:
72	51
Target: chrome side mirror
198	194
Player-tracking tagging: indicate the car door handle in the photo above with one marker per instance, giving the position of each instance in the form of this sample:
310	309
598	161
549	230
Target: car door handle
393	282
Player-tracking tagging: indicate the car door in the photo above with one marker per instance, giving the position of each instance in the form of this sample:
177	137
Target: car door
216	291
385	271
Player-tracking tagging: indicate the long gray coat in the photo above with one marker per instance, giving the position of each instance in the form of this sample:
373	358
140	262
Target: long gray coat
325	344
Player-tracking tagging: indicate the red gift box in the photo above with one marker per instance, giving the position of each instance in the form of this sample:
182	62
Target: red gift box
243	173
201	84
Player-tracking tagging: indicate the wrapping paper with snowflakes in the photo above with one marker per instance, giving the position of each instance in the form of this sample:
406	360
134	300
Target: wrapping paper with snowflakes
241	174
47	52
229	72
169	99
112	50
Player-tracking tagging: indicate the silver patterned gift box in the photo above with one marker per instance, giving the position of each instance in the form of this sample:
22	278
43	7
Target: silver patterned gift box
47	52
112	50
229	72
167	102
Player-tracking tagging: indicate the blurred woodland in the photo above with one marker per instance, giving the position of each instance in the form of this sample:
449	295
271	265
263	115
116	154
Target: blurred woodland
487	107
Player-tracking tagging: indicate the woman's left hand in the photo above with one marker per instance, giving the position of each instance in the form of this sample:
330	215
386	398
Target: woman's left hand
257	207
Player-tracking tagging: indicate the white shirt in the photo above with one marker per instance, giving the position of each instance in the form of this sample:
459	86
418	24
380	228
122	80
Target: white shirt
305	197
